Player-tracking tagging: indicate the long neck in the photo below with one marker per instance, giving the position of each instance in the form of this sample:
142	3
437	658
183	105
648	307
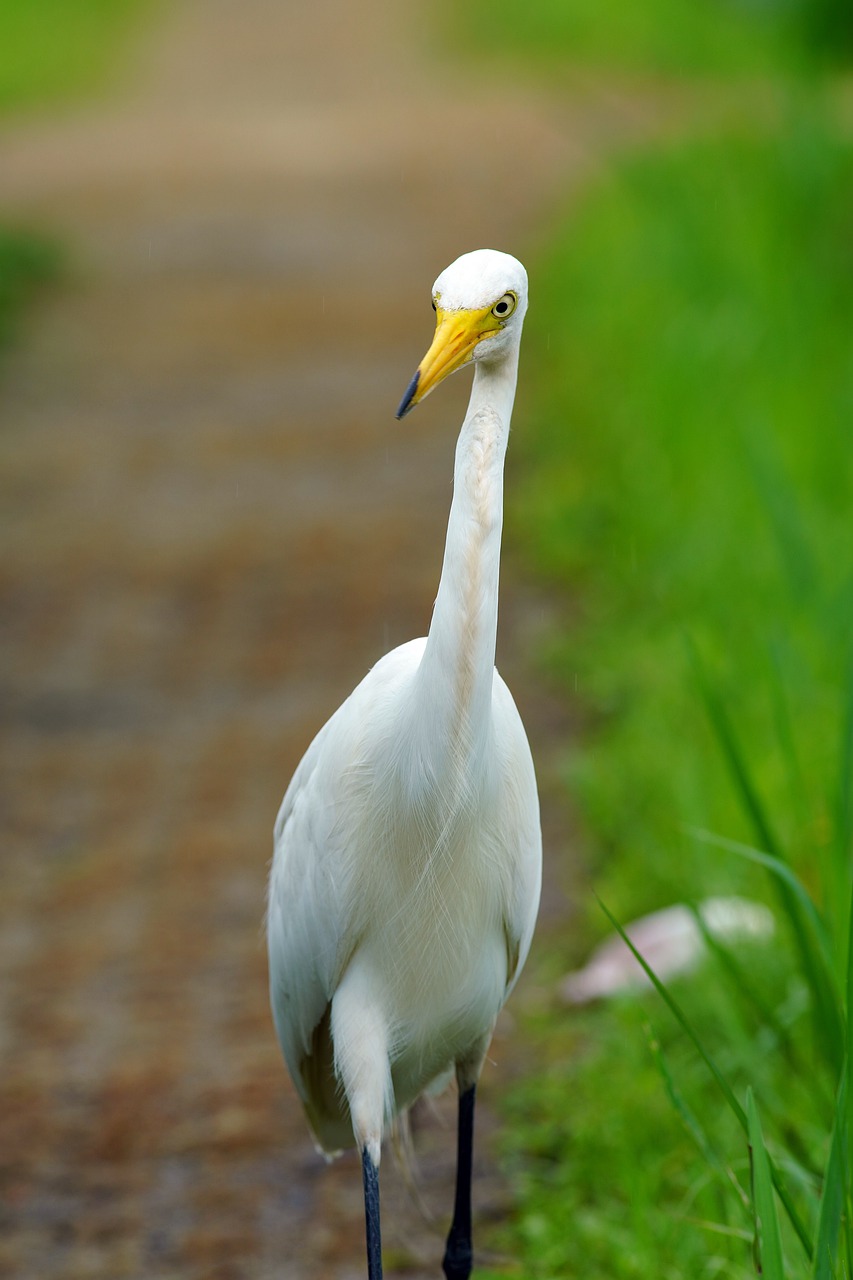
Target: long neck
453	688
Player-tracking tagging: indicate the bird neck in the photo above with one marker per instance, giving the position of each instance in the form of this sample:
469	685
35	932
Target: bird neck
454	682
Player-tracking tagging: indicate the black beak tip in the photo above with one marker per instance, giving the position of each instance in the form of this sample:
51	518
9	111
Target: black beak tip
406	402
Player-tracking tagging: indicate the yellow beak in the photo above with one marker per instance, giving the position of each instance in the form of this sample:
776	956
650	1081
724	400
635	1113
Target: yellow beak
456	335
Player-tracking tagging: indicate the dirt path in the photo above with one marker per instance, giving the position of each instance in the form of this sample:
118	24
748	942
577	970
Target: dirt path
212	526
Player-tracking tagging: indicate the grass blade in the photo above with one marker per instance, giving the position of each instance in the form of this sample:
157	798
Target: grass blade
680	1017
844	824
694	1127
785	732
734	757
784	873
725	1087
845	778
744	990
741	985
848	1080
768	1241
827	1024
785	515
833	1196
813	941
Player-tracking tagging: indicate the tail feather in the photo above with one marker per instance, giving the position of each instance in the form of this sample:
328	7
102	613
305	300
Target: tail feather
404	1157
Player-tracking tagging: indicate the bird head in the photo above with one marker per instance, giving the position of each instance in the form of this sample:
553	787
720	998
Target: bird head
479	303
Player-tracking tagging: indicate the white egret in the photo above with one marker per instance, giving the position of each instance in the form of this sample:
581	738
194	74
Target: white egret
407	867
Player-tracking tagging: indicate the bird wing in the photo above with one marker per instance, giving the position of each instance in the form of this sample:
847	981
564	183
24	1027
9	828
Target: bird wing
303	924
310	929
518	821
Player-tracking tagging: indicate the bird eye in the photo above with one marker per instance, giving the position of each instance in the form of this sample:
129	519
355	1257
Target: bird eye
505	306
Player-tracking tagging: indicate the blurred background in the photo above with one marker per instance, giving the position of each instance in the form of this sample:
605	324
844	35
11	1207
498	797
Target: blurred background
219	225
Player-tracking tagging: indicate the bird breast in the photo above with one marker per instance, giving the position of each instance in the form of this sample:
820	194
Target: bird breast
428	886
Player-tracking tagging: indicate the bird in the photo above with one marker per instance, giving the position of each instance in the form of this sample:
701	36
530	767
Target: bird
407	861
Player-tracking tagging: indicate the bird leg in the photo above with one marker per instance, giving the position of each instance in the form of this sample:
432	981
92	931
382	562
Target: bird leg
370	1175
459	1254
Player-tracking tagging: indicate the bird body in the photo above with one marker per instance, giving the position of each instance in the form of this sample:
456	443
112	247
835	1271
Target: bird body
409	912
406	875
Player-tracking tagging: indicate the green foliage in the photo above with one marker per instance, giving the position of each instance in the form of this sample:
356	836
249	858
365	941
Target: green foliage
27	261
48	50
585	1182
55	48
628	1163
836	1194
828	27
729	37
665	36
595	1072
764	1176
686	473
768	1241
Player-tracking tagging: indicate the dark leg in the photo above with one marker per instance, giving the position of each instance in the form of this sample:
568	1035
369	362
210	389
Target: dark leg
459	1256
370	1175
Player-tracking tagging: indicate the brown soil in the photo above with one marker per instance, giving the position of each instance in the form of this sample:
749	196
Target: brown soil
212	526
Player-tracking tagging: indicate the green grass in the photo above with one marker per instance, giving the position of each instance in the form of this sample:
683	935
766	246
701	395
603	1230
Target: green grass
56	49
684	478
623	1155
27	262
50	51
688	473
661	37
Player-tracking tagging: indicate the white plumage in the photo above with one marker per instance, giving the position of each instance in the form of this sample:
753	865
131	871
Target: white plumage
406	875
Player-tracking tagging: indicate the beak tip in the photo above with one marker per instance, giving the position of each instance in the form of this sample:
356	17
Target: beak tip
407	403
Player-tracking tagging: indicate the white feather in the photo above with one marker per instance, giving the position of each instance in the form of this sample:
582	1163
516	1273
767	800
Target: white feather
406	875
